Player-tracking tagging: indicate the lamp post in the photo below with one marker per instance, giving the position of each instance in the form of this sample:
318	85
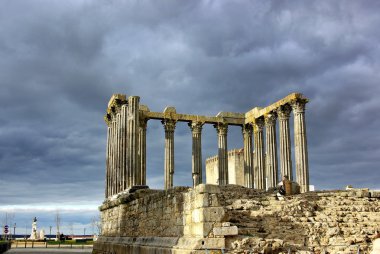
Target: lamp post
84	232
50	232
14	230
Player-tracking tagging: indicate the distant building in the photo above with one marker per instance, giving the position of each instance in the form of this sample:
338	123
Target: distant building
235	168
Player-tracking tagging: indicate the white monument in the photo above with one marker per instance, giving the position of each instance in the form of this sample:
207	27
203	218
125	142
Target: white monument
42	234
33	235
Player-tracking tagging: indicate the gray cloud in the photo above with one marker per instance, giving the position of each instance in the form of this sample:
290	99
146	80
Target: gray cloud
61	61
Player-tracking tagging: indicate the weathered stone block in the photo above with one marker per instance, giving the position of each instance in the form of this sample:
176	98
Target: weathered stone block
201	229
201	200
223	231
214	214
200	243
207	188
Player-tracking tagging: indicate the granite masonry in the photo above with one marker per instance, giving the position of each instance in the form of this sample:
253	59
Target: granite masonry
236	219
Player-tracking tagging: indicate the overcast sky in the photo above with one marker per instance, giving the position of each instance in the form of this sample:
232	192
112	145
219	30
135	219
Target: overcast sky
60	62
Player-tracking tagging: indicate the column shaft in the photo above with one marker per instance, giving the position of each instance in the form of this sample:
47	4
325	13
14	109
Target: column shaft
169	126
222	153
133	136
118	152
123	140
259	173
248	162
196	131
285	145
271	150
142	150
113	156
300	142
108	160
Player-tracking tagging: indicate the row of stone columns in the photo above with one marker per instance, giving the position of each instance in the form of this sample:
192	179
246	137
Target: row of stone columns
196	130
265	170
126	147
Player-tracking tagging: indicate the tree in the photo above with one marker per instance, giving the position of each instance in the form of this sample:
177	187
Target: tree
96	224
71	228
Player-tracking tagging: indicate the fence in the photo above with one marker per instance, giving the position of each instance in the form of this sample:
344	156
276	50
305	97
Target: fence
58	244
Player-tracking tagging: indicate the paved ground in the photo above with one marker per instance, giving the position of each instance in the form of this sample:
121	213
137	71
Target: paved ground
47	251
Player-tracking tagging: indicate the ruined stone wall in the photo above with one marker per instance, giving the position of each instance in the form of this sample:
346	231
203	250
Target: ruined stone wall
237	220
333	221
145	213
178	220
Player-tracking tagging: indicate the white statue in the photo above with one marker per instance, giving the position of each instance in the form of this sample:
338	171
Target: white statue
42	234
33	235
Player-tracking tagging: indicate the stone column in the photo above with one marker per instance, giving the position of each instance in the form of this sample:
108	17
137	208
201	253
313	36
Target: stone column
248	162
259	172
169	126
196	131
133	139
113	155
118	152
142	150
108	157
123	139
300	143
285	145
222	129
271	150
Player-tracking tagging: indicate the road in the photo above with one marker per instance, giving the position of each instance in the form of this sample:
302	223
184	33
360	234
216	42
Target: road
47	251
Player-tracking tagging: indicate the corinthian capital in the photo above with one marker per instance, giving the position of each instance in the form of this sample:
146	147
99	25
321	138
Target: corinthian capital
247	129
284	111
221	128
258	125
196	127
270	119
298	106
169	125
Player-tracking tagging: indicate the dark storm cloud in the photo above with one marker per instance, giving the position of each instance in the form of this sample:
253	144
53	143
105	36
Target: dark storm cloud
60	62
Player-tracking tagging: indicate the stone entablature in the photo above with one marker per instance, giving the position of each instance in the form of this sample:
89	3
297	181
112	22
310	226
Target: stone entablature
235	219
127	123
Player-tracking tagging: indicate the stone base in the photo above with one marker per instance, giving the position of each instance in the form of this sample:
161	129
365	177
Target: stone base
158	245
235	219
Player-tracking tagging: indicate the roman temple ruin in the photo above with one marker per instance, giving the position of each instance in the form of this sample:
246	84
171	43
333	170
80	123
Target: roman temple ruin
127	123
238	212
